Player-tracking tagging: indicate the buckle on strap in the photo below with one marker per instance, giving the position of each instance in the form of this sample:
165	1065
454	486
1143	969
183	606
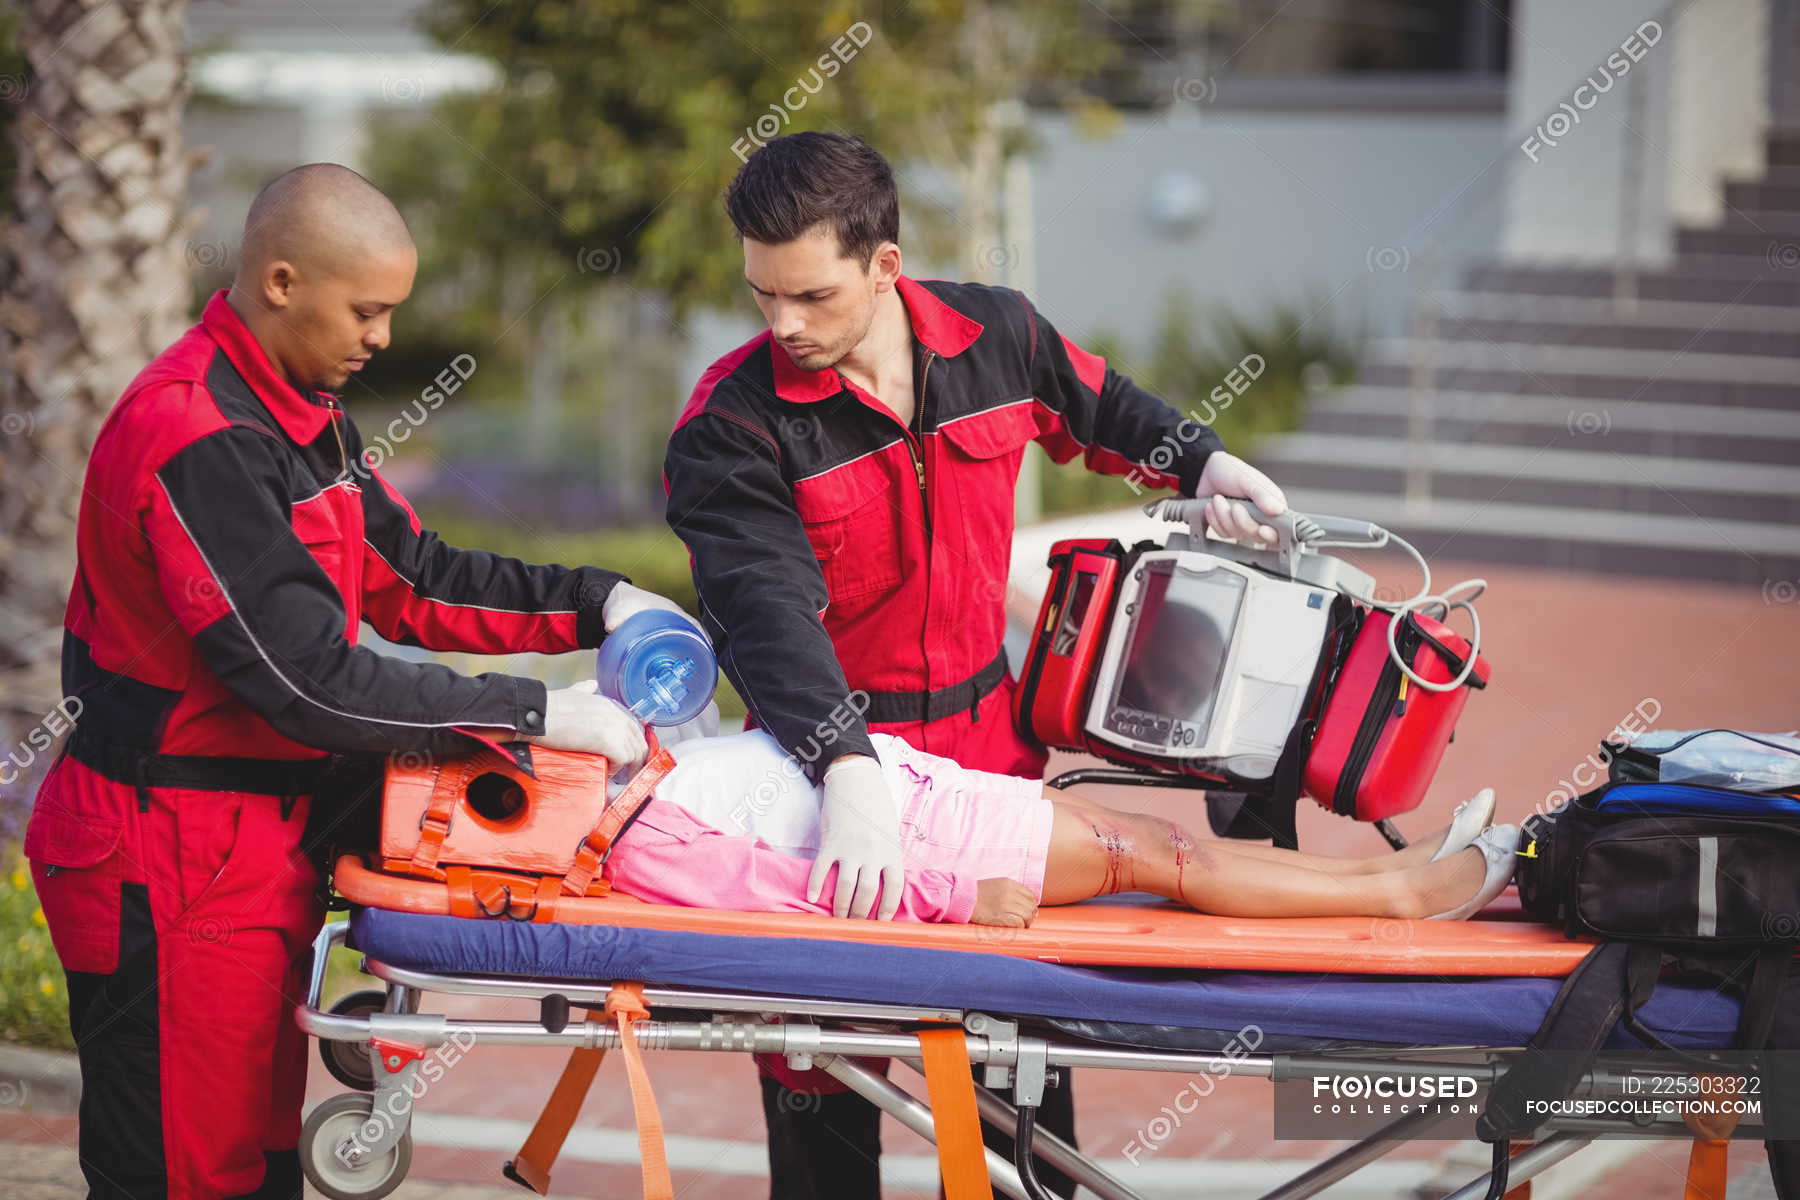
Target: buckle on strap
594	849
905	708
142	768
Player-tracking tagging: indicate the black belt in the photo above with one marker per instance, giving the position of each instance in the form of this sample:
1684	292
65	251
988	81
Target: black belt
143	769
905	708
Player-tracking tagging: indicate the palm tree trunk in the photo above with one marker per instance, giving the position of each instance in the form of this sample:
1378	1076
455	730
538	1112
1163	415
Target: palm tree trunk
93	284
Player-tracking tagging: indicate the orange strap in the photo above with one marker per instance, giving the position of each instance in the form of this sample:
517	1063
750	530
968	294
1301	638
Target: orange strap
434	826
592	851
493	894
531	1165
1712	1147
951	1088
405	866
1521	1191
1706	1126
1706	1169
462	892
548	888
625	1003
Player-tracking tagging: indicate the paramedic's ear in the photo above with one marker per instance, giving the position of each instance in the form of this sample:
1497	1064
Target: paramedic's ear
1226	477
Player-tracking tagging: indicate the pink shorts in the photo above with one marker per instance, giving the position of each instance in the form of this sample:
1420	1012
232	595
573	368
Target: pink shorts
970	823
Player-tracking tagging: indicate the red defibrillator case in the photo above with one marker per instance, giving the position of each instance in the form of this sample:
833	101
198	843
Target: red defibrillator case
1050	705
1381	737
1365	739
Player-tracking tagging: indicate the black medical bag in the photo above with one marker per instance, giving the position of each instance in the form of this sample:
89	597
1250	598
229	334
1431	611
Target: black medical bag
1675	864
1678	878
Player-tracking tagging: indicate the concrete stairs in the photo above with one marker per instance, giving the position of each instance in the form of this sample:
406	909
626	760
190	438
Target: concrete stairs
1561	427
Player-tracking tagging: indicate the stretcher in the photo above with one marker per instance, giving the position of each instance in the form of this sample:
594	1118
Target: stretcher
1014	1006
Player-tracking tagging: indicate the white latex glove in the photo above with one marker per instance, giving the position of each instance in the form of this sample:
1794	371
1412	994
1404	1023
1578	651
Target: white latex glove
628	600
581	719
1226	476
859	830
706	724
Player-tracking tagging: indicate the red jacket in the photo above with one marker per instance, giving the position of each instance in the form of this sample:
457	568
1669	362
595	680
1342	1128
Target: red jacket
230	546
232	540
838	552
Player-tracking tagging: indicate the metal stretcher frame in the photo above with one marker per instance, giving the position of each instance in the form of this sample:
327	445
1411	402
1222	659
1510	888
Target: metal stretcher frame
829	1034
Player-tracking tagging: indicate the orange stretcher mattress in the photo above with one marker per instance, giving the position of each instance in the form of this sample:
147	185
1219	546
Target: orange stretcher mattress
1096	933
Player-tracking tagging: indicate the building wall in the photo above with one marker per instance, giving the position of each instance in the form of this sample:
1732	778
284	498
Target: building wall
247	145
1721	86
1335	211
1651	150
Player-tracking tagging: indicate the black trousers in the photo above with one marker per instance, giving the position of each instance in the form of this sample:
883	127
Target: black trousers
829	1147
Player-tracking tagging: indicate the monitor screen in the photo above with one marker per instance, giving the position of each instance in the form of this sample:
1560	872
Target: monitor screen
1175	659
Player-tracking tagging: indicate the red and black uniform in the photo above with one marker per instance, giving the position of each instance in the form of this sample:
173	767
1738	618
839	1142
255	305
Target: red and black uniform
839	551
231	541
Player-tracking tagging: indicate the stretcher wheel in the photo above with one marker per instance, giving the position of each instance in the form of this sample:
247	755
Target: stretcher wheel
349	1062
326	1128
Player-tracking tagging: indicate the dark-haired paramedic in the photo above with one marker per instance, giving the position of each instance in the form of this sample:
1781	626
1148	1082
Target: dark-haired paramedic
232	539
844	483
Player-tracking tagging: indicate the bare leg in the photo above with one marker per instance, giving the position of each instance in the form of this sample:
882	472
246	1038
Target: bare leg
1095	851
1417	852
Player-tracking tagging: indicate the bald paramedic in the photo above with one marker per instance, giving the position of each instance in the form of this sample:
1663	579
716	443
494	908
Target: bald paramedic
232	539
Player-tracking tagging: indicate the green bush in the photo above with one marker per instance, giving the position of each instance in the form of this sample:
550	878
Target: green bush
1187	359
652	556
34	1000
343	974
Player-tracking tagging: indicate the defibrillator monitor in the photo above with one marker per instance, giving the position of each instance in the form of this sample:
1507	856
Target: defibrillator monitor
1175	655
1207	662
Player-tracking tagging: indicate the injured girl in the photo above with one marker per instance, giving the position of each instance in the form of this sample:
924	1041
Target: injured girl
735	825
